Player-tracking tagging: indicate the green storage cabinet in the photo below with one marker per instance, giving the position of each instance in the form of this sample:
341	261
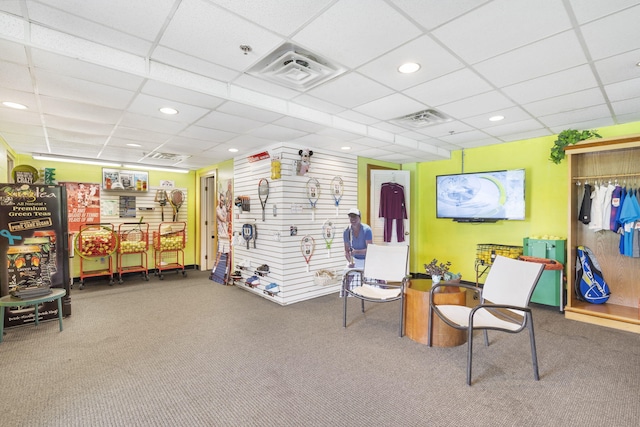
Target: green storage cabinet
550	289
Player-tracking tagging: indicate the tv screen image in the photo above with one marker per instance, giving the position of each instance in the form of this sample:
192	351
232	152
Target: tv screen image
481	196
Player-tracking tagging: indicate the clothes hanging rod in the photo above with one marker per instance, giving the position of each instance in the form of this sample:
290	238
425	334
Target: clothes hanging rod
618	175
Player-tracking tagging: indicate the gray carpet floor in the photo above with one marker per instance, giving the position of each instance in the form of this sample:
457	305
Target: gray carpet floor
191	352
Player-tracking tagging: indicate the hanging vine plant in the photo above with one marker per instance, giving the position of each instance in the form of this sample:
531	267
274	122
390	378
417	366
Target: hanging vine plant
569	137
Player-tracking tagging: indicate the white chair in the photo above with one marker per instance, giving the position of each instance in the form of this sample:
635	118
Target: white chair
383	279
504	305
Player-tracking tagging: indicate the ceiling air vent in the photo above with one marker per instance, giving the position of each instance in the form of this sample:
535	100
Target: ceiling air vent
296	68
423	118
168	156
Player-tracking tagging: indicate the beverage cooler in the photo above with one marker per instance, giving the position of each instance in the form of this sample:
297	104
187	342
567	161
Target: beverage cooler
34	246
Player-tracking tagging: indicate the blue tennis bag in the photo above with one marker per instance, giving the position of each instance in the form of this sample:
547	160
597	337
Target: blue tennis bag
590	285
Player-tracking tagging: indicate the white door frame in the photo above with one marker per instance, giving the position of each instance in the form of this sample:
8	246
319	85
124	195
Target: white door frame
208	237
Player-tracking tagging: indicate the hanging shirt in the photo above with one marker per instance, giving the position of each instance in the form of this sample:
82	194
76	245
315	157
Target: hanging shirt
629	214
616	195
392	207
585	209
606	210
597	205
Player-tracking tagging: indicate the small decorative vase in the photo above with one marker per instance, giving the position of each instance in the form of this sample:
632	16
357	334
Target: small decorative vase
436	279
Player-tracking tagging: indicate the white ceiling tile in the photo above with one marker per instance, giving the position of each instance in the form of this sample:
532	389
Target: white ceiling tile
15	77
242	110
390	107
354	116
283	16
92	73
476	105
511	115
502	25
627	106
92	30
13	52
150	123
619	67
82	111
207	134
623	90
613	34
561	52
515	127
587	124
142	18
452	87
359	40
562	103
215	35
183	95
350	90
582	114
561	83
434	61
433	13
228	122
276	133
64	87
147	105
71	67
586	10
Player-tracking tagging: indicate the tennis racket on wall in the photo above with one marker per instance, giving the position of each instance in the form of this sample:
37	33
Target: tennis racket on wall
337	190
176	198
328	233
161	199
263	193
247	233
313	193
307	246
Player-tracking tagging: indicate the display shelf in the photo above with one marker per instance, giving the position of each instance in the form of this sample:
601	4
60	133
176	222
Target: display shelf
604	159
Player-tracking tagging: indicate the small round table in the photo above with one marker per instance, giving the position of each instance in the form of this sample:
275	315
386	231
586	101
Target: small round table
417	315
11	301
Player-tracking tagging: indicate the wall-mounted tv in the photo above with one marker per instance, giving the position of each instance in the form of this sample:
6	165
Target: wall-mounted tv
481	196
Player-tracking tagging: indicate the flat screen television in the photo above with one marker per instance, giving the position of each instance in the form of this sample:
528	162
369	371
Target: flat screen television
481	196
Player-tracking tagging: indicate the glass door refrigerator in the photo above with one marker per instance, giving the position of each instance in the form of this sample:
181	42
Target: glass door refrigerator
34	246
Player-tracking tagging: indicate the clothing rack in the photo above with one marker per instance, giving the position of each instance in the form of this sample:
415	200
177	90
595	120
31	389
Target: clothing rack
610	176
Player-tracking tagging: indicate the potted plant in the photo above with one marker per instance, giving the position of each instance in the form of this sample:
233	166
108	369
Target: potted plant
569	137
437	270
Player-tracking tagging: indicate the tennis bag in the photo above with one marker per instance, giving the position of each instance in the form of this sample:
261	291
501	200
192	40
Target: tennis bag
590	285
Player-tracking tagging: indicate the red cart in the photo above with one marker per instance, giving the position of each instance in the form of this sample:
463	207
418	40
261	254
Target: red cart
168	247
132	249
95	244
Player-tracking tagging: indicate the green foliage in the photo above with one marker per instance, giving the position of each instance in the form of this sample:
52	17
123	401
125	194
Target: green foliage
437	269
569	137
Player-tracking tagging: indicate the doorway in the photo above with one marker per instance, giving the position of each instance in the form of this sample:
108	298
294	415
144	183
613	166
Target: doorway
208	240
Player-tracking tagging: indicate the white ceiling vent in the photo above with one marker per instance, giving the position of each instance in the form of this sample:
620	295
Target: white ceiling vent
168	156
423	118
296	68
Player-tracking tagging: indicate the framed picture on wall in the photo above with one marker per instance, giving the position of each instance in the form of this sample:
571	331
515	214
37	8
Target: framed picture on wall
124	180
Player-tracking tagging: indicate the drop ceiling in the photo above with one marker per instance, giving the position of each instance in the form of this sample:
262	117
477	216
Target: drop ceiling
94	74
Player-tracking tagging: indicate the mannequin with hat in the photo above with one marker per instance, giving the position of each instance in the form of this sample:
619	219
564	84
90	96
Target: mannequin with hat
356	237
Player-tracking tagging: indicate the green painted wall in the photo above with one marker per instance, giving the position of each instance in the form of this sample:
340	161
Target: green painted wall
546	201
71	172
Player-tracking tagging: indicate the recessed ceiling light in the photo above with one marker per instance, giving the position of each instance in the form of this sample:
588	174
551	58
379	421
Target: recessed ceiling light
168	110
233	150
345	148
14	105
496	118
409	67
131	144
